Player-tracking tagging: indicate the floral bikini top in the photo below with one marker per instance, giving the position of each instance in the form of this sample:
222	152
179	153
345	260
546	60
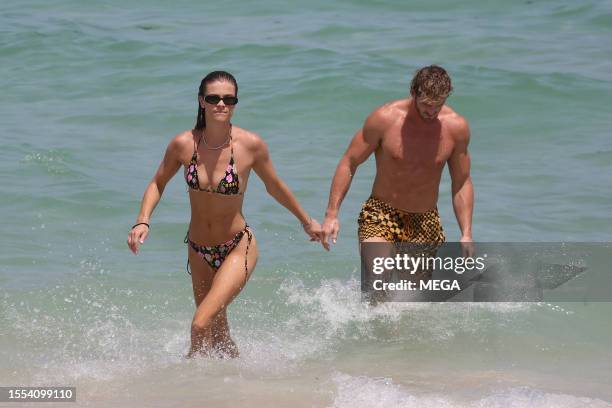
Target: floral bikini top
228	185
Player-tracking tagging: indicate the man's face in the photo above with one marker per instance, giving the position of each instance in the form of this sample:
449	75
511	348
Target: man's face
427	108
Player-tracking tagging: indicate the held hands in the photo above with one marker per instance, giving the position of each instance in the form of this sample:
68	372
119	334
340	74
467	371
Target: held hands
137	236
330	229
313	230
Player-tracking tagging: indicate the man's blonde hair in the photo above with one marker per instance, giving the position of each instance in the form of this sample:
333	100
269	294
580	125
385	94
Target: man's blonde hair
431	82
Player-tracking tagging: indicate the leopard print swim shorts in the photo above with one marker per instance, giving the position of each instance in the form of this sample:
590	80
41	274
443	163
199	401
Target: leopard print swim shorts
379	219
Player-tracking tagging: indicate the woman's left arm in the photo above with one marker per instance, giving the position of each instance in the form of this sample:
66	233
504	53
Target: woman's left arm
280	191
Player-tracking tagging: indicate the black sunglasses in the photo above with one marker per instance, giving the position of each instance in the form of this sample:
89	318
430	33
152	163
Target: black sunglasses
214	99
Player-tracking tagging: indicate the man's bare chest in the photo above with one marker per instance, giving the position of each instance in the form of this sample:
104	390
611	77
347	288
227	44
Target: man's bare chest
425	150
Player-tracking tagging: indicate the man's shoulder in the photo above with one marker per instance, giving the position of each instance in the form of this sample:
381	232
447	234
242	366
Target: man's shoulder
457	124
387	114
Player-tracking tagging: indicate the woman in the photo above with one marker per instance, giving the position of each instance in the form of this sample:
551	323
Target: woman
217	159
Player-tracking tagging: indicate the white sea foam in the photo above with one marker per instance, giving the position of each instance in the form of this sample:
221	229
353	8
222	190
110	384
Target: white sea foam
368	392
336	309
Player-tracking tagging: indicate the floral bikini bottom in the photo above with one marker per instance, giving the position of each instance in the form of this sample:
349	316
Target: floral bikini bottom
216	254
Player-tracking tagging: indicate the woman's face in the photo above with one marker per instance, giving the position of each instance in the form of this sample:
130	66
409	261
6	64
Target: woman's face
222	110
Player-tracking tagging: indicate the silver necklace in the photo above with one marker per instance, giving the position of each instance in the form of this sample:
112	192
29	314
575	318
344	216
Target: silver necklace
222	145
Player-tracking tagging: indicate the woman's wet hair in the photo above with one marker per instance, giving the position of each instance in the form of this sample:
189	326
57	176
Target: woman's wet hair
431	82
210	78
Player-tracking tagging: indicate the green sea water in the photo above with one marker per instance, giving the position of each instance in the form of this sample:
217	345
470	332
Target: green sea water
92	93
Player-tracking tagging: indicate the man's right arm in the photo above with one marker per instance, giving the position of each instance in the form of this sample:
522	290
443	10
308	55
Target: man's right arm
364	143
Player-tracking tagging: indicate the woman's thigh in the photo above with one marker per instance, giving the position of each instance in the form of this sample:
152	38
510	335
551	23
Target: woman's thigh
202	276
230	278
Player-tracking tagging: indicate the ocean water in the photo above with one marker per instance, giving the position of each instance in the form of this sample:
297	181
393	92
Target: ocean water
92	93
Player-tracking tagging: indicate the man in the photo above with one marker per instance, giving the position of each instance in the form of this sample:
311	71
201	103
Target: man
412	140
